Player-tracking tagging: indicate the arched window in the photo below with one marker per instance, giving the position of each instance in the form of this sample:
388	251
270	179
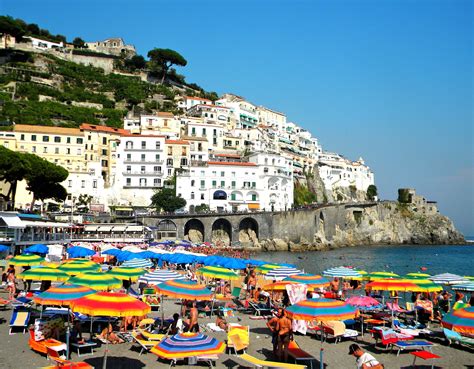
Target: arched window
219	195
129	145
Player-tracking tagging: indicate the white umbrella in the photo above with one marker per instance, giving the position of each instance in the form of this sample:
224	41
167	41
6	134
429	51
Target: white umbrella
159	276
281	273
138	263
448	278
341	272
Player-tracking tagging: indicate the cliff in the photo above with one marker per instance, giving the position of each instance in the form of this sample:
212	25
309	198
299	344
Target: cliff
387	223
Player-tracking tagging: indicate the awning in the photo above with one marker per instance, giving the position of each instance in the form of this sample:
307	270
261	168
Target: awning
296	164
119	228
254	206
106	228
12	221
90	228
135	228
124	209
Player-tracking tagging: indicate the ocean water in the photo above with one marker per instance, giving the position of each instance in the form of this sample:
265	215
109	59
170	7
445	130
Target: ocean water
398	259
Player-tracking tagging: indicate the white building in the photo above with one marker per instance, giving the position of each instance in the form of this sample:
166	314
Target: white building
243	112
264	182
187	102
213	114
44	44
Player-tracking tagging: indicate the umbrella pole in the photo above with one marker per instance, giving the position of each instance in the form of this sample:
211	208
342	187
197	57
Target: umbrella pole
321	352
104	366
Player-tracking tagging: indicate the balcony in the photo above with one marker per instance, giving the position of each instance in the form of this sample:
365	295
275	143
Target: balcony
133	161
144	187
146	173
143	149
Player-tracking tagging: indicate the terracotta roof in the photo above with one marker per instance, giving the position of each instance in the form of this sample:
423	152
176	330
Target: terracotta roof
165	114
176	142
128	134
105	129
212	106
228	155
235	163
47	129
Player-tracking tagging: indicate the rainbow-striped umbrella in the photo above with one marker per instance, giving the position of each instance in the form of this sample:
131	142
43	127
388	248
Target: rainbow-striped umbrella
184	345
311	280
418	275
265	268
184	289
278	286
322	310
125	273
26	260
460	320
62	295
75	268
97	281
375	276
44	274
218	272
393	285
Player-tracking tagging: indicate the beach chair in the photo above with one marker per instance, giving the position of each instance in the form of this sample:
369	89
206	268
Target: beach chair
295	352
42	345
53	354
238	338
209	359
151	336
262	364
425	355
258	309
70	365
412	345
4	303
19	319
22	302
338	331
144	344
455	337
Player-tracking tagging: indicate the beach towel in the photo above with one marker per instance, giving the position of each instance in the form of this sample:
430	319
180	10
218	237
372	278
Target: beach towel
297	293
425	305
338	328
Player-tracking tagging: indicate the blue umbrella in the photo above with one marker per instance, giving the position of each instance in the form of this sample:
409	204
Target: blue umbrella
113	252
4	248
138	263
255	262
127	255
148	255
39	248
80	252
235	264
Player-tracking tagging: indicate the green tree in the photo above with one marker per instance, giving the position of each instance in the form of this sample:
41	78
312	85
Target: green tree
14	167
33	29
12	27
203	208
78	43
135	62
371	192
166	200
83	202
163	59
44	179
404	196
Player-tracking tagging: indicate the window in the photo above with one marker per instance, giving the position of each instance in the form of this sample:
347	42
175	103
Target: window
170	151
33	137
214	132
214	173
222	174
129	168
233	197
22	137
94	183
203	184
222	184
83	184
104	140
214	141
33	149
184	151
104	152
56	150
89	138
57	139
142	182
68	140
45	138
169	162
192	195
80	140
143	145
254	197
193	131
129	157
233	184
45	149
202	173
104	163
184	162
204	131
214	184
142	169
79	151
202	196
68	151
233	174
170	172
142	157
157	157
69	183
158	145
193	182
157	182
254	185
128	181
129	145
199	146
156	169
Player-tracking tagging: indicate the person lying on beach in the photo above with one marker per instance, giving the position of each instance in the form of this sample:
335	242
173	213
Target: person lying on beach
221	322
109	335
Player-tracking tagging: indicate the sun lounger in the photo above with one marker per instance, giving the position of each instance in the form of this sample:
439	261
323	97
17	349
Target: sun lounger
151	336
84	345
42	345
455	337
295	352
19	319
22	302
337	330
412	345
70	365
388	336
209	359
425	355
144	344
238	338
262	364
259	310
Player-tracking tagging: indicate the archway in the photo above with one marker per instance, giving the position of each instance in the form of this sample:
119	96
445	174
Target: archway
194	231
167	229
248	231
221	232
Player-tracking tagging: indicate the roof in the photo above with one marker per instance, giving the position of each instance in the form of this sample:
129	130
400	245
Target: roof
47	129
234	163
196	98
228	155
128	134
165	114
194	138
176	142
105	129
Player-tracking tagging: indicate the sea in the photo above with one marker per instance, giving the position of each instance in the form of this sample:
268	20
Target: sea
456	259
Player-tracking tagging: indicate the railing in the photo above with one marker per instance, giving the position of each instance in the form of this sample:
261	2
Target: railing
138	186
126	161
143	149
140	173
47	237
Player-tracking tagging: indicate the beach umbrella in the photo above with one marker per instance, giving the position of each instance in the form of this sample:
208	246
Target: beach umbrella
184	289
380	275
159	276
424	285
44	274
124	273
80	252
322	310
113	252
132	248
460	320
418	275
254	262
111	305
76	267
218	272
233	263
448	278
466	287
97	281
265	268
62	295
392	285
4	248
26	260
279	286
281	273
39	248
311	280
363	302
138	263
342	272
183	345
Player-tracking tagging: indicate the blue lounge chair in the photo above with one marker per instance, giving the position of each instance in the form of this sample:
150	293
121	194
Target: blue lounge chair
455	337
412	345
19	319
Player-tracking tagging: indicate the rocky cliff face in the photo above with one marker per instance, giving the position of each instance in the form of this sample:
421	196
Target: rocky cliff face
386	223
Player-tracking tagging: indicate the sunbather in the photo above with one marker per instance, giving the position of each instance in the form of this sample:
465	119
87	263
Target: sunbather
221	322
109	335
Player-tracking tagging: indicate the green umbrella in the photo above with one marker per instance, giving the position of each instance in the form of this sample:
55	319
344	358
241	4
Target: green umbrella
26	260
44	274
380	275
418	275
96	281
218	272
74	268
125	273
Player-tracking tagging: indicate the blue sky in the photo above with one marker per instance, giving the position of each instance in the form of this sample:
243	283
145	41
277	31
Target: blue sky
391	81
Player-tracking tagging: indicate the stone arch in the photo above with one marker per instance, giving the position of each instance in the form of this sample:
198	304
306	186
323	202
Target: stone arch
167	229
248	231
194	231
221	232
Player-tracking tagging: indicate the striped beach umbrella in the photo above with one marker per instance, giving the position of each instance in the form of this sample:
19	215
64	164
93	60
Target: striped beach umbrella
321	310
138	263
265	268
62	295
342	272
159	276
97	281
281	273
185	345
424	285
125	273
363	302
460	320
44	274
311	280
278	286
218	272
75	267
418	275
448	278
392	285
380	275
467	287
26	260
184	289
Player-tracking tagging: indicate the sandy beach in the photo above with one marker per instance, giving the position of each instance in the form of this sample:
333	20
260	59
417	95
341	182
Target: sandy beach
15	352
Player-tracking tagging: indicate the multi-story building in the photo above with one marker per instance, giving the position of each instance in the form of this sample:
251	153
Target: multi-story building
214	133
213	114
187	102
243	112
113	46
271	118
178	155
261	182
